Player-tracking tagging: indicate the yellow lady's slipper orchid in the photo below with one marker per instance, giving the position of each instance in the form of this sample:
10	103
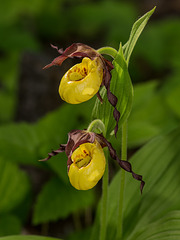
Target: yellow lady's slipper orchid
88	166
82	81
86	161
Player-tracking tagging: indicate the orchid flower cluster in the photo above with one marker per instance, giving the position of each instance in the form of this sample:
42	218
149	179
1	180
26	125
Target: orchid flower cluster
87	150
86	160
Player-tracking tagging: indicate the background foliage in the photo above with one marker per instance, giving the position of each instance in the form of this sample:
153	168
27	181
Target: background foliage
36	198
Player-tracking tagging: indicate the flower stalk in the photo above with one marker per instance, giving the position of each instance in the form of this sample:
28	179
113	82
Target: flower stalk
97	126
108	51
122	183
104	206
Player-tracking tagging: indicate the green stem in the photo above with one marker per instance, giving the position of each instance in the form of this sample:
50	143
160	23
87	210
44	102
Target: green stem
108	51
104	200
122	183
96	126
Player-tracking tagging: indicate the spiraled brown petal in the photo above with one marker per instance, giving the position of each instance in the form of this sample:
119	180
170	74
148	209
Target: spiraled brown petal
99	97
54	152
111	97
123	164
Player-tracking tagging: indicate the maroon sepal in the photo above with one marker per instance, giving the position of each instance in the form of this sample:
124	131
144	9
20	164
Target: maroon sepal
79	50
75	139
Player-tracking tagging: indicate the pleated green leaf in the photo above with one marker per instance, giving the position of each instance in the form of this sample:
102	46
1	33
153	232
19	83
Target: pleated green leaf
159	163
121	87
166	227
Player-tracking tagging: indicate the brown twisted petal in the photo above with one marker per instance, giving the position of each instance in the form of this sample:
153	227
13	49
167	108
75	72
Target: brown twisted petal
99	97
54	152
123	164
111	97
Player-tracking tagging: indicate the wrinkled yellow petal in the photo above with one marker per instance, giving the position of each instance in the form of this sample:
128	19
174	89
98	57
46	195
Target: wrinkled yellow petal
82	81
88	166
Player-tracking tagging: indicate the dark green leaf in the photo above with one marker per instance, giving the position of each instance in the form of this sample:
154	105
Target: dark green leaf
14	186
18	143
150	114
173	100
9	225
53	129
59	200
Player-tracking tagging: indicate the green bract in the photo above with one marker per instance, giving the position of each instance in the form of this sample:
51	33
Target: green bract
121	87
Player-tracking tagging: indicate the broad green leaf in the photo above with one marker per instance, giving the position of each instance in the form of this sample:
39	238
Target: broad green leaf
135	33
53	129
149	114
159	162
58	200
9	225
26	237
165	228
173	100
18	143
121	87
14	186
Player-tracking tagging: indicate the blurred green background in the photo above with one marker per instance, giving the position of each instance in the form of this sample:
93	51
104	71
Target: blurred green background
36	198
